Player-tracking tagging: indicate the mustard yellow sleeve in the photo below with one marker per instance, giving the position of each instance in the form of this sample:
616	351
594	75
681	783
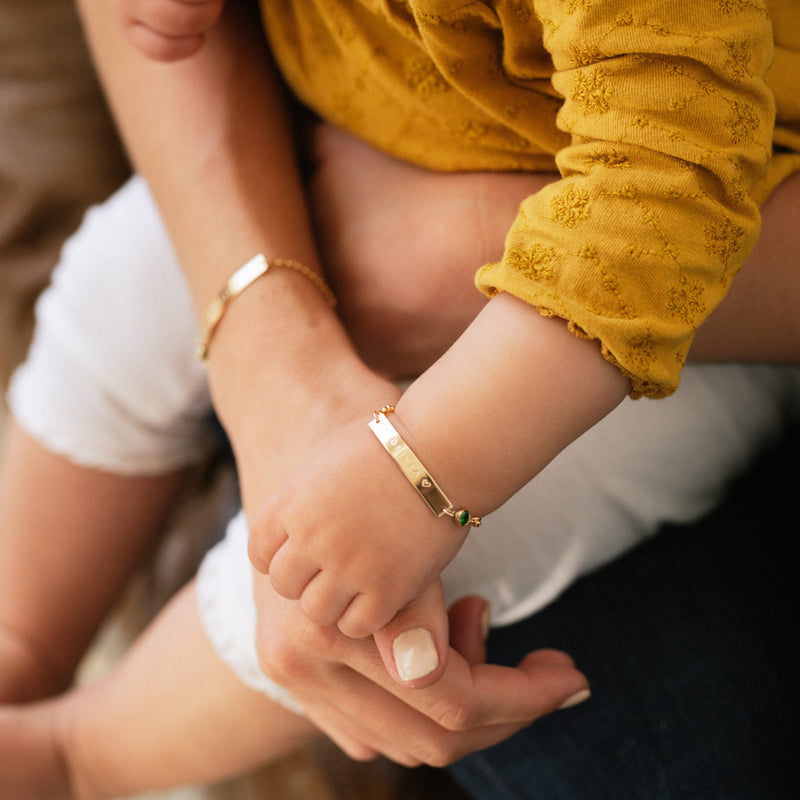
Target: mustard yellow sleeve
671	125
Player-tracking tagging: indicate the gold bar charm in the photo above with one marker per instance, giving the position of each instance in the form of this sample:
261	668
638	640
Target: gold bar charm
416	472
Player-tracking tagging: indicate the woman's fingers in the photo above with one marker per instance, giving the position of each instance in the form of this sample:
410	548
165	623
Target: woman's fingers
414	646
470	696
469	627
346	689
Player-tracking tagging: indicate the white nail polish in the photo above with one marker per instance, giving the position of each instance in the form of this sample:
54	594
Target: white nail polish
576	699
415	654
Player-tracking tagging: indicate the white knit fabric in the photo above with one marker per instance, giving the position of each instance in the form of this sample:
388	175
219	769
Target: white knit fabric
110	380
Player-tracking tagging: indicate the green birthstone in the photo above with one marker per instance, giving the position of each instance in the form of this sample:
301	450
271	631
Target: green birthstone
462	517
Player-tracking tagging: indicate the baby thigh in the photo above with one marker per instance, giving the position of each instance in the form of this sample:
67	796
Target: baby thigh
113	405
111	380
401	245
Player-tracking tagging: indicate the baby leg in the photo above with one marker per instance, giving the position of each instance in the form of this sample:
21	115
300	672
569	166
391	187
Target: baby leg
170	714
402	245
758	320
101	434
70	537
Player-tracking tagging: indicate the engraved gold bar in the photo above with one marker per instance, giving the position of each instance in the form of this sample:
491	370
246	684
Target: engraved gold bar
410	465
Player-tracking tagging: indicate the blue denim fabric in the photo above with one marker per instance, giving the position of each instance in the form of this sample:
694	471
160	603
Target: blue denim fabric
690	645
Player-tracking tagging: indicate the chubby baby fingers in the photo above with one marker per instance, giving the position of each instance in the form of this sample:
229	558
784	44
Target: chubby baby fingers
290	572
324	601
366	614
267	536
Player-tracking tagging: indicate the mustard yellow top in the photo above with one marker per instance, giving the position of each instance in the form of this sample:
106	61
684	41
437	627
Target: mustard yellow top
659	116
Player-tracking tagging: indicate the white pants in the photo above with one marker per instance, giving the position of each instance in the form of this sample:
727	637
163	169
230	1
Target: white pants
112	381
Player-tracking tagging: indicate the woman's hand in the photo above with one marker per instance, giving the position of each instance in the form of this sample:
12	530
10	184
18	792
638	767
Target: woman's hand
345	690
167	30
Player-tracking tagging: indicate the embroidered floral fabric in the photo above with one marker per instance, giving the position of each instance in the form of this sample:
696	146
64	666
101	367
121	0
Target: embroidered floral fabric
658	115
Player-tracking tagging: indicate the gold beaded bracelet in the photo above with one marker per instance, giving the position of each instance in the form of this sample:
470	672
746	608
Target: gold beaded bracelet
416	473
239	281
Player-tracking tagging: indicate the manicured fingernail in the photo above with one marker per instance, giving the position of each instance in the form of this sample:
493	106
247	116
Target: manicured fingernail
486	618
415	654
576	699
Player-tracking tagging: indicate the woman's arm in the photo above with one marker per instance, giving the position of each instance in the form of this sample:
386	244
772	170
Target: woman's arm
211	136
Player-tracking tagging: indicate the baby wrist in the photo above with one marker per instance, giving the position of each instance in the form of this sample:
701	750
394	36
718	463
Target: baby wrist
416	473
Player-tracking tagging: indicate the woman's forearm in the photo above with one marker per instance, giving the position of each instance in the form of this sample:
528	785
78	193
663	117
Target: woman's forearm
211	137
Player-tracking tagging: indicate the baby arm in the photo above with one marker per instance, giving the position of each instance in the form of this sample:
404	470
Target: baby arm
348	535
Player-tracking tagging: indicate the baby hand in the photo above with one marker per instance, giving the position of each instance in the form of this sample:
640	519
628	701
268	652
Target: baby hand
349	537
167	30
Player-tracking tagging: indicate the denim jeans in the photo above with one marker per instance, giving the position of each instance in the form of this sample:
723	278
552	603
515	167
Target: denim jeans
690	645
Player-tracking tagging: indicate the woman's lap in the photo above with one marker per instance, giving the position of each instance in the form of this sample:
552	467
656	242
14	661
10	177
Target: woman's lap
688	642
